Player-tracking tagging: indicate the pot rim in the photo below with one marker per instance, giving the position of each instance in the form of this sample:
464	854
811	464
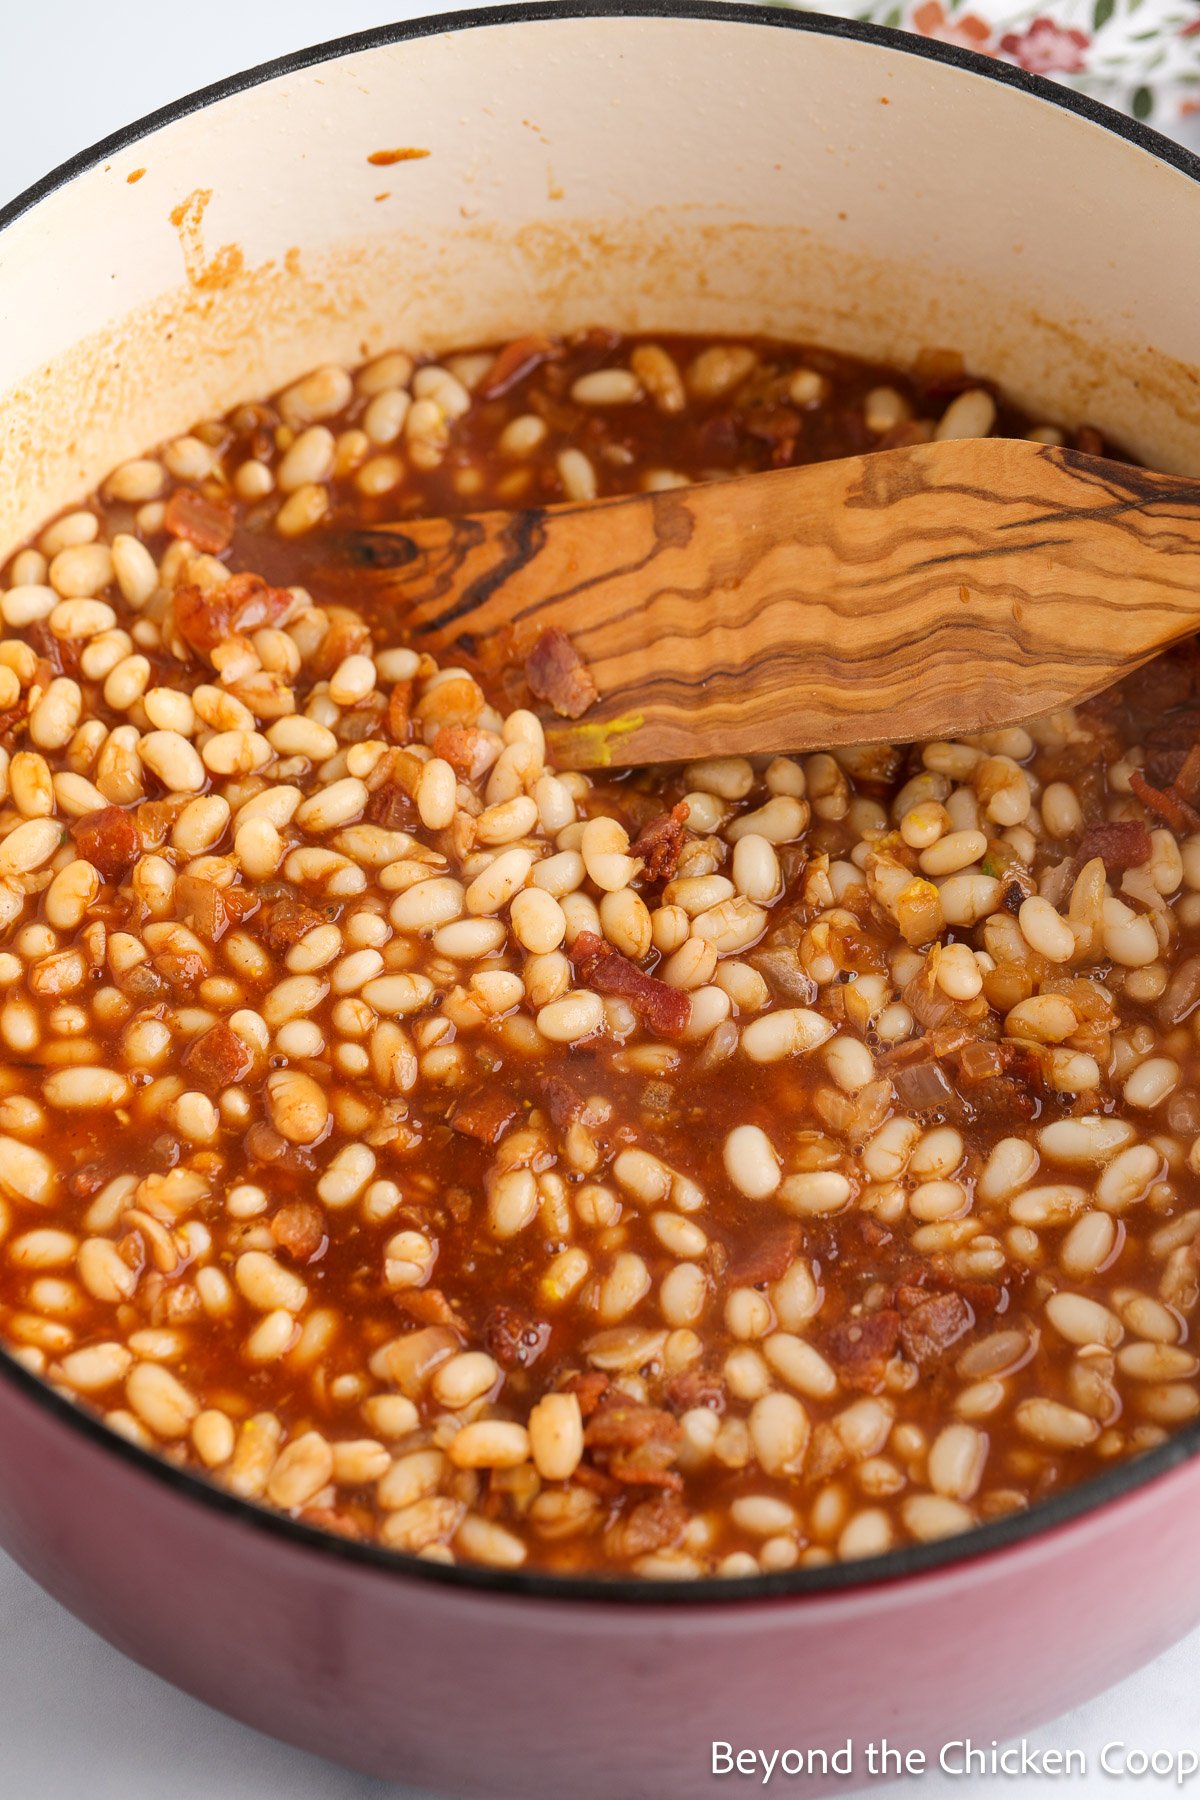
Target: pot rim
779	15
716	1592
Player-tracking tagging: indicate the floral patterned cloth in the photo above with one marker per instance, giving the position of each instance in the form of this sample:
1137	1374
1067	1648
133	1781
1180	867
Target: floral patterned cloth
1140	55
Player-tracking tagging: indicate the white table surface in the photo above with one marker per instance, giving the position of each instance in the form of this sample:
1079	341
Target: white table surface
76	1718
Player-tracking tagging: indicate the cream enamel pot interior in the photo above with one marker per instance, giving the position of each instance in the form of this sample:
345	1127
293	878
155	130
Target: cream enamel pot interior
709	168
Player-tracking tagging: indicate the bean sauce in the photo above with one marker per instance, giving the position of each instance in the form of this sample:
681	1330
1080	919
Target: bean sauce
687	1171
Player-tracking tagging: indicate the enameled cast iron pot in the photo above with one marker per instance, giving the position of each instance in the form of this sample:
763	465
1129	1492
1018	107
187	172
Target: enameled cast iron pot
709	168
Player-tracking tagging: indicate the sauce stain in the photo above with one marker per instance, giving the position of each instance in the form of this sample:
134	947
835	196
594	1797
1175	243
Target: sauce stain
383	159
206	273
134	175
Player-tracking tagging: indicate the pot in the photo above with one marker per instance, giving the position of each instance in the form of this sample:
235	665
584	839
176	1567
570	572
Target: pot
707	168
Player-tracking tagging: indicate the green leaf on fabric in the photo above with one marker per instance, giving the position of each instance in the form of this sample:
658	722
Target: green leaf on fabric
1103	13
1142	103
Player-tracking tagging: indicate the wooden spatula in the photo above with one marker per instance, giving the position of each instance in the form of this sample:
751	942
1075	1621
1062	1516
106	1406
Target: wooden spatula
916	593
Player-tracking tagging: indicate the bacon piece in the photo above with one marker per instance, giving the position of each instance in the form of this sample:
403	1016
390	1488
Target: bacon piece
109	839
348	634
768	1257
399	712
596	1482
1168	742
299	1228
557	673
56	656
929	1330
465	748
596	342
564	1105
983	1297
486	1114
656	1524
664	1009
391	807
860	1348
637	1444
1121	844
1187	782
155	819
208	524
777	426
695	1387
1165	803
210	910
287	922
660	841
872	1233
217	1058
912	1291
515	1340
624	1424
516	361
591	1386
1164	685
205	619
649	1465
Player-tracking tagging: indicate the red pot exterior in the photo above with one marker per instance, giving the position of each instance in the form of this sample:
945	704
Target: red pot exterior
491	1694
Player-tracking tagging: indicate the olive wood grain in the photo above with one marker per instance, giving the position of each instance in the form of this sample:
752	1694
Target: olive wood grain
913	593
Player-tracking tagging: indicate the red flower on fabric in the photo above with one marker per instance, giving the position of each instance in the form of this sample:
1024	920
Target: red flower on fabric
1046	48
931	20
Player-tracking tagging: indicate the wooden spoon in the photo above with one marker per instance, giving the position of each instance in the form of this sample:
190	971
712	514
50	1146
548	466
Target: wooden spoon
915	593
